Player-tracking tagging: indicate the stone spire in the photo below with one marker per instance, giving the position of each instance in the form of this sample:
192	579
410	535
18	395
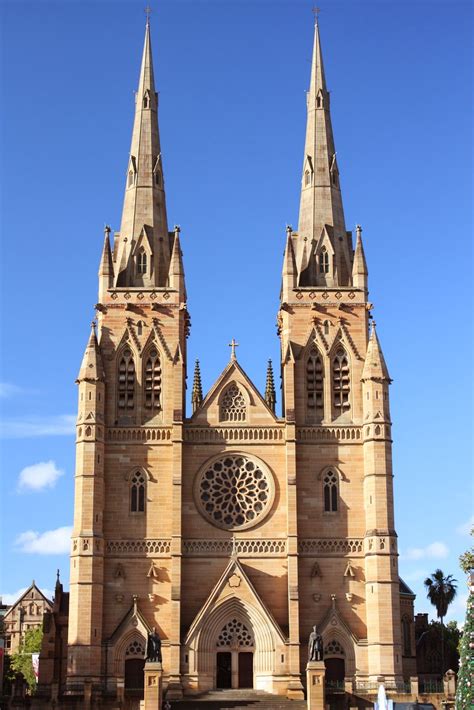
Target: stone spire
359	268
144	227
106	267
270	395
92	369
196	396
374	366
321	220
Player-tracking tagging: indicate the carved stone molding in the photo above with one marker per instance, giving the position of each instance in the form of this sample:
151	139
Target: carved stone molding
331	546
155	548
348	434
269	547
133	434
244	433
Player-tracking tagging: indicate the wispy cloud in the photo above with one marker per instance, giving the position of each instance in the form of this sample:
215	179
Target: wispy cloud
8	598
50	542
29	427
7	389
465	528
39	476
433	551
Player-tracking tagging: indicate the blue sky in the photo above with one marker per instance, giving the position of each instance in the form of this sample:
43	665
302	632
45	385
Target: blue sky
232	77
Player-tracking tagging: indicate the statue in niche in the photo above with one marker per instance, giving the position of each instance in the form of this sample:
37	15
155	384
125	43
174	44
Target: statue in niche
153	647
315	646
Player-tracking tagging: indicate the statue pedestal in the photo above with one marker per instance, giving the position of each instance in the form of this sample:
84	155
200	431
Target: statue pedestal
153	686
315	674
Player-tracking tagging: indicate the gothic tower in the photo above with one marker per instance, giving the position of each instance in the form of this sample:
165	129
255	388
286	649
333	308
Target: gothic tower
335	389
232	530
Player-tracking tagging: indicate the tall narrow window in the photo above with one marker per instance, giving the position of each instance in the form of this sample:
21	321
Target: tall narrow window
137	492
314	384
158	178
153	381
307	177
326	327
341	382
330	492
146	102
141	262
406	636
233	408
323	261
130	178
126	381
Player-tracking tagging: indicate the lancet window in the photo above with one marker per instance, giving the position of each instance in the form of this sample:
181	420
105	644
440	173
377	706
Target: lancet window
330	492
233	407
323	261
137	492
341	382
406	636
130	178
152	381
126	381
315	383
141	262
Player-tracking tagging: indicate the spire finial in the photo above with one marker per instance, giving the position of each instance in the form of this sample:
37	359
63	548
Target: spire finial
358	231
233	344
316	11
270	395
196	396
148	13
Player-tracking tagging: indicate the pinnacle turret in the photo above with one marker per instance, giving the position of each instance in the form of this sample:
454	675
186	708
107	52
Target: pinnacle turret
374	366
359	268
143	246
321	231
270	395
92	369
196	396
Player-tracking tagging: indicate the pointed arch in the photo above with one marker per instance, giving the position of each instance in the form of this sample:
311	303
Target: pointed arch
152	379
330	491
340	381
314	380
126	379
232	404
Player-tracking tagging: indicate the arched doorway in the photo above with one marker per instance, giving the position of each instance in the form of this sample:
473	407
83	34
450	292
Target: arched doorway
234	655
134	681
334	661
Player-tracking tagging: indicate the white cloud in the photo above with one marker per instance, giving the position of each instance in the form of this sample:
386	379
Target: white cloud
51	542
8	390
465	528
61	425
39	476
435	550
9	599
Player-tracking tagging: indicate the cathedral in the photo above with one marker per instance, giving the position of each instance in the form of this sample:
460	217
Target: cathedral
231	529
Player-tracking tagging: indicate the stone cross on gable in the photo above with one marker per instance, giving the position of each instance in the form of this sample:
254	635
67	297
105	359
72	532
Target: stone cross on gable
233	344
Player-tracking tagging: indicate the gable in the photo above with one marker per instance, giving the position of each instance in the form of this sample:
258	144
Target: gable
234	400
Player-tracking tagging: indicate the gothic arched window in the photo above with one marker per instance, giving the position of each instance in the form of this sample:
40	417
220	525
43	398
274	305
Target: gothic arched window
330	492
326	327
233	407
130	178
341	382
323	261
307	177
152	381
315	383
141	261
137	492
126	381
158	178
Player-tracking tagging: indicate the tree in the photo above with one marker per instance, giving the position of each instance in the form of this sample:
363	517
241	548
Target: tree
21	662
466	560
441	592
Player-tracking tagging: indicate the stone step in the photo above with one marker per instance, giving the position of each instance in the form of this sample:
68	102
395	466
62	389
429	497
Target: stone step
238	700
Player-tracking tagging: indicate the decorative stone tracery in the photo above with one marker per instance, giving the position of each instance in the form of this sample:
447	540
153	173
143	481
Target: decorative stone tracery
235	633
233	406
234	492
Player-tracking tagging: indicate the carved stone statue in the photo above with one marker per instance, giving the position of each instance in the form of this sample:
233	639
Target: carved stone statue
153	647
315	646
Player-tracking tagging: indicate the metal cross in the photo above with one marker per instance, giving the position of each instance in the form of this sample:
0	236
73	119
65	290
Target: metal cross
233	345
316	11
148	13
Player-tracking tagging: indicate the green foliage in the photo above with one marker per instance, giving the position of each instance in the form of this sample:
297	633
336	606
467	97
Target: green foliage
441	591
466	560
465	688
20	663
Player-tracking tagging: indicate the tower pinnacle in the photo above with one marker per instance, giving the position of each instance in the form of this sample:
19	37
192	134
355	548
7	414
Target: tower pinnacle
327	261
143	246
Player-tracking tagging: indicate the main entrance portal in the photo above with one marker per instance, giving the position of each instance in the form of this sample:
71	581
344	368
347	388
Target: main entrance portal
234	669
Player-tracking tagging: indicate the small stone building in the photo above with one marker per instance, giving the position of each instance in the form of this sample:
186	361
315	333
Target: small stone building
26	613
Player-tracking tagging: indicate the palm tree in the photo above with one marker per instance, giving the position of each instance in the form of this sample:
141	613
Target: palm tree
441	591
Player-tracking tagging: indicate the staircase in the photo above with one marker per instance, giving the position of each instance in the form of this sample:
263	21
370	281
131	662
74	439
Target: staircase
238	700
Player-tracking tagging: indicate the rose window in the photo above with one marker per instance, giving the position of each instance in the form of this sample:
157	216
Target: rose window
136	648
334	648
235	632
234	492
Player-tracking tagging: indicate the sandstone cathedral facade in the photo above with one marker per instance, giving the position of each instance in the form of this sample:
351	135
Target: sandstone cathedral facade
231	529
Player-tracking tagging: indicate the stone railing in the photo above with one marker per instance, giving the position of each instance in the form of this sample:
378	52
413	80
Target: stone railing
331	546
132	434
333	433
152	548
223	548
229	434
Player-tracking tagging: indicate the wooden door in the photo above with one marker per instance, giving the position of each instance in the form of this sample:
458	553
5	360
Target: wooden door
245	670
224	669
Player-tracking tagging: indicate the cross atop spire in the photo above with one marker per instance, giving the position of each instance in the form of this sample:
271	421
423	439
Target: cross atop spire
233	344
148	13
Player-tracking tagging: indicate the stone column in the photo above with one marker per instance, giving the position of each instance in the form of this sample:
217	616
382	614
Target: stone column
315	674
153	686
